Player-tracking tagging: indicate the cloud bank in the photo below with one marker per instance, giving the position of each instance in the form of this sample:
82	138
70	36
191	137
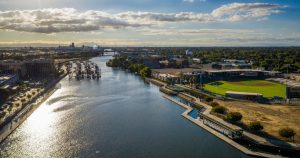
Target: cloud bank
71	20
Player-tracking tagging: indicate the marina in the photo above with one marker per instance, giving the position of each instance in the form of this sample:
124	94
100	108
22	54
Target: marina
83	70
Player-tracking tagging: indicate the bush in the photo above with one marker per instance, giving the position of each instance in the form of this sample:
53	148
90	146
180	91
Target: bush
214	104
208	99
29	96
234	116
287	133
33	93
23	100
219	109
255	126
145	72
17	104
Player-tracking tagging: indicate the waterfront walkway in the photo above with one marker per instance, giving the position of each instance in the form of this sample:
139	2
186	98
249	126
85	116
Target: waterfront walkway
28	110
214	132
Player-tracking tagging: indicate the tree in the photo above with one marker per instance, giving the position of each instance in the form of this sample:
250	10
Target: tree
287	133
145	72
208	98
255	126
219	109
17	104
234	116
214	104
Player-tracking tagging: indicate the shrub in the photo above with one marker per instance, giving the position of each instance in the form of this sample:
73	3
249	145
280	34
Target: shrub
23	100
145	72
287	133
213	104
17	104
234	116
33	93
208	98
255	126
219	109
29	96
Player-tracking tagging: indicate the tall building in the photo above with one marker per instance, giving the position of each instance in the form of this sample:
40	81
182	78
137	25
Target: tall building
29	68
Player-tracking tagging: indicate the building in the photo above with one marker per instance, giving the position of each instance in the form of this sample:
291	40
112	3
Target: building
151	61
166	77
189	52
39	68
293	92
210	75
167	64
232	64
292	87
29	68
197	60
295	77
8	79
181	63
13	67
243	95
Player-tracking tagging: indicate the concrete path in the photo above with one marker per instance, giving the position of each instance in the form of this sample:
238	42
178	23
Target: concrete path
214	132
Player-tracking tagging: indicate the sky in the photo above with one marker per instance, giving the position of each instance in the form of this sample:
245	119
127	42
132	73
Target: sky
194	23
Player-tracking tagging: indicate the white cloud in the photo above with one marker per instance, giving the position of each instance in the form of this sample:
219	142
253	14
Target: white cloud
245	11
189	1
72	20
192	1
200	32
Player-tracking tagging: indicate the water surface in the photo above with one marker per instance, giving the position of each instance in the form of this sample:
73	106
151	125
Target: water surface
117	116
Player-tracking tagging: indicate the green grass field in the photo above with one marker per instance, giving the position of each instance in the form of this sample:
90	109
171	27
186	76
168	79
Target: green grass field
266	88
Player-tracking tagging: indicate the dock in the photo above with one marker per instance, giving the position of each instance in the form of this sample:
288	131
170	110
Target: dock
83	70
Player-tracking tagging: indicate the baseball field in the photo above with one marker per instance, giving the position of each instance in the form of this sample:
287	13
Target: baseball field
266	88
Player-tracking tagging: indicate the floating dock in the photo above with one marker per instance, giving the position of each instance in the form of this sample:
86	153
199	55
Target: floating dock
83	70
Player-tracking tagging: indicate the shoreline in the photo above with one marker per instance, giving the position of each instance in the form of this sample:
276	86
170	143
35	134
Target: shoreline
212	131
22	116
217	134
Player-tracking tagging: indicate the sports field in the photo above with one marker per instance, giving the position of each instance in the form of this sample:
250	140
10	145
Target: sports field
266	88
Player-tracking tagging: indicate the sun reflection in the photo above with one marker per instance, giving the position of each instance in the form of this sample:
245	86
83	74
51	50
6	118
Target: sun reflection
41	127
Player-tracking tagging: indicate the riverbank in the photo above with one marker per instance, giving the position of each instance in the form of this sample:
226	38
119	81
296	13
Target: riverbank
217	134
28	110
267	145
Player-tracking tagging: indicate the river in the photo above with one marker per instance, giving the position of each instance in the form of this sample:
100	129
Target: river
117	116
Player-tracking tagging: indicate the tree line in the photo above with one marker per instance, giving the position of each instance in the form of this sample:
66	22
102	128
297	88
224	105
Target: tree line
132	66
284	59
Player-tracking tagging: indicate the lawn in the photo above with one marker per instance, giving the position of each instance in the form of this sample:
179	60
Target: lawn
266	88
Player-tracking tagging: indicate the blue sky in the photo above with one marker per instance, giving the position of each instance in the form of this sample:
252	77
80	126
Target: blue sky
150	22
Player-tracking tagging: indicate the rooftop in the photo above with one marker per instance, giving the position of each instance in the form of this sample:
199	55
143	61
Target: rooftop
240	70
243	93
4	78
